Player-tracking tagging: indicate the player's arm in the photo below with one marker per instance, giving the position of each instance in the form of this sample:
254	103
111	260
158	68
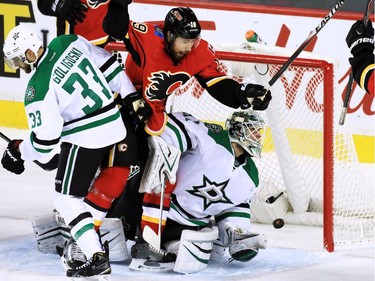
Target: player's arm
363	71
72	11
116	24
46	126
233	94
360	40
116	21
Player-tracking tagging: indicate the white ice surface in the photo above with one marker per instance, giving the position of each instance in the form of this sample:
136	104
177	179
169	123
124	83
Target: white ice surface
294	253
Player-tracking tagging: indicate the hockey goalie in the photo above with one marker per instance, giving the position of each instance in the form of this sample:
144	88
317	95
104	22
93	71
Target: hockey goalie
206	209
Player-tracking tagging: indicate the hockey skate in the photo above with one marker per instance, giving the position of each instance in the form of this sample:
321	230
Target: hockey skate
148	258
97	266
71	255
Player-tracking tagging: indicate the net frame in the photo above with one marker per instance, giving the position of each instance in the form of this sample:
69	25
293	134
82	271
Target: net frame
327	67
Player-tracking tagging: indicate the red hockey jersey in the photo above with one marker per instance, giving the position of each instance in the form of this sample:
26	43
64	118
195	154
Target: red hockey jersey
158	76
91	27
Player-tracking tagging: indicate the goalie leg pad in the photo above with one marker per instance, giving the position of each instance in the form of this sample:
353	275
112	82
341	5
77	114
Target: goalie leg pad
49	232
112	230
194	249
162	161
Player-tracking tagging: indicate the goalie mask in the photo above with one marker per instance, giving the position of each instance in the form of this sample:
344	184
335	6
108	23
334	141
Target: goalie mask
182	22
247	129
19	40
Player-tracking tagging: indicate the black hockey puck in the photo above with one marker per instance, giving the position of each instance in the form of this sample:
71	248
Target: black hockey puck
278	223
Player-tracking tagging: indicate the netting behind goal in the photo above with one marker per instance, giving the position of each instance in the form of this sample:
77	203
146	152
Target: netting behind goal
306	155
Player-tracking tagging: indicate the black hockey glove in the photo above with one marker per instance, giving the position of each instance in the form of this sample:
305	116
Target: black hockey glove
136	107
360	37
262	103
71	10
12	158
247	92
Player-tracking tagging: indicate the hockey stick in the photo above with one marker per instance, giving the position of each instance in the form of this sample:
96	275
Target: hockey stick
312	34
351	77
49	166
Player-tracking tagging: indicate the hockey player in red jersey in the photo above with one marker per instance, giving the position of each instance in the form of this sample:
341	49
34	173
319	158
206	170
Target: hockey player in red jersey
163	57
360	40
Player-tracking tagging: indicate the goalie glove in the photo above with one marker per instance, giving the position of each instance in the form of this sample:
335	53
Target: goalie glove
243	245
360	37
253	95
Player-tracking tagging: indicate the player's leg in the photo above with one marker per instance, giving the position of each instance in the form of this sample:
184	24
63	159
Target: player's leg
111	182
77	168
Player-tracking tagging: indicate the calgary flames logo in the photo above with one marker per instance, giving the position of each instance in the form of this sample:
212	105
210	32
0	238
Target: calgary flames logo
162	84
96	3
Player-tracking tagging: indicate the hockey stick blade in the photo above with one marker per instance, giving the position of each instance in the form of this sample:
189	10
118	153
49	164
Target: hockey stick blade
349	86
312	34
49	166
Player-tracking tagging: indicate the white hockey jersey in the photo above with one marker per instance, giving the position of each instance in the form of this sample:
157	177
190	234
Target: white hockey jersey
210	181
70	98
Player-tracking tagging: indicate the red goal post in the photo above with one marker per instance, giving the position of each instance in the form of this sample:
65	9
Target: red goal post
306	155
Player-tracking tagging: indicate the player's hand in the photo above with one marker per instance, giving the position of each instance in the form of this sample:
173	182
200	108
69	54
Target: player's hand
252	90
246	93
360	37
71	10
262	102
11	159
136	107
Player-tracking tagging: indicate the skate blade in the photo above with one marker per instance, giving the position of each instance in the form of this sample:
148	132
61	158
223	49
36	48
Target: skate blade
150	266
104	277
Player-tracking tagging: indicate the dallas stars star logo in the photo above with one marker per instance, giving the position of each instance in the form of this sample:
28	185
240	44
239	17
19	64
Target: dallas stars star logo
211	192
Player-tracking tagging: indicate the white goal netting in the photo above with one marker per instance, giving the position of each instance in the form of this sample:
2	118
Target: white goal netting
307	156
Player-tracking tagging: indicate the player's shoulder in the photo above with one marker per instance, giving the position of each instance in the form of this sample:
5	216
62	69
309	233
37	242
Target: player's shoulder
206	48
62	41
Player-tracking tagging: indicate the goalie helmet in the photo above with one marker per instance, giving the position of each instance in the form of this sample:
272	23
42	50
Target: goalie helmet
182	22
247	129
19	40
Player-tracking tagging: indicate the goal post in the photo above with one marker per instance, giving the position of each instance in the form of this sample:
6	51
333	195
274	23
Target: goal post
306	156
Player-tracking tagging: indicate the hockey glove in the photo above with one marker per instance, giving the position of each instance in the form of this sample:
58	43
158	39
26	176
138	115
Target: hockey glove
262	104
71	10
360	37
12	158
136	107
246	93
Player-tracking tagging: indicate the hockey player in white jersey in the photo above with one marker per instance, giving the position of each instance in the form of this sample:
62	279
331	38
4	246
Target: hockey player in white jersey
216	178
69	100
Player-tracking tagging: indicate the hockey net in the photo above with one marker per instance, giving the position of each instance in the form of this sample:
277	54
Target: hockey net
307	157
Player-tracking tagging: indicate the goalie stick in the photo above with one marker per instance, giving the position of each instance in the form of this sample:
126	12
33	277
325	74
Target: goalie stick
49	166
349	87
148	233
